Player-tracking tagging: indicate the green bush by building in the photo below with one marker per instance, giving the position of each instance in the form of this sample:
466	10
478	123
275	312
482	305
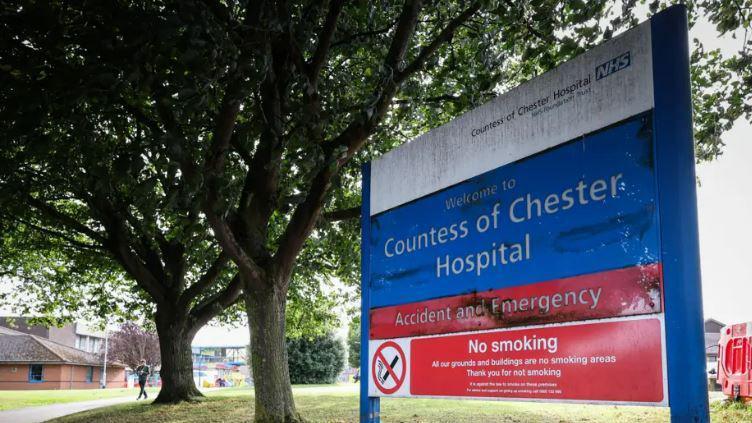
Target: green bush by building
315	360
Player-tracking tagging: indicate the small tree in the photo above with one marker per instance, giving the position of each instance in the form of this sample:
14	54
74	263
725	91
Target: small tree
315	360
132	343
353	342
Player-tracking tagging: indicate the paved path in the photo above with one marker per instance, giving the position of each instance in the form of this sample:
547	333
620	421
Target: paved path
47	412
43	413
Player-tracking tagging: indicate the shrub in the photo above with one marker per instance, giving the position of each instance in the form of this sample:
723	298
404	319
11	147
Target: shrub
315	360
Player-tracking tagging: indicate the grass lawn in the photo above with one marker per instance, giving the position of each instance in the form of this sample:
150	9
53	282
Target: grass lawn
340	404
19	399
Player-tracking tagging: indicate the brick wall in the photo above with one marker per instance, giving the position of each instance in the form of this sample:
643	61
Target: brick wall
58	376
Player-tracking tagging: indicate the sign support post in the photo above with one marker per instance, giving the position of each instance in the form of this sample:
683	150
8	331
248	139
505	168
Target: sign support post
369	406
677	199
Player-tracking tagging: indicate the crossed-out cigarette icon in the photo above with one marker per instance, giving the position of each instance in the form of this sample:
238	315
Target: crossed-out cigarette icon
381	369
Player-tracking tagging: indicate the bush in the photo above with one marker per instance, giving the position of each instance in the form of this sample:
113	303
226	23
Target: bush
315	360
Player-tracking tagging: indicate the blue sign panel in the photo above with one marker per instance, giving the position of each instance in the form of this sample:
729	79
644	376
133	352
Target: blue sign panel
581	207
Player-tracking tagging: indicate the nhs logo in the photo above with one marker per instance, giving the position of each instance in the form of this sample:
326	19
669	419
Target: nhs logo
612	66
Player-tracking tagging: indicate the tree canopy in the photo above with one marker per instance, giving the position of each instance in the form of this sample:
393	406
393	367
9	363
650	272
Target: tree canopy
110	107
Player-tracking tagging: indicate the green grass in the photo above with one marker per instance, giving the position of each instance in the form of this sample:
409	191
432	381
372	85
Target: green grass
723	411
340	404
20	399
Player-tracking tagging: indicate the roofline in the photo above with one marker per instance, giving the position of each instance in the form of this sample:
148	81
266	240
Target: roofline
15	332
72	363
33	362
47	348
42	341
710	319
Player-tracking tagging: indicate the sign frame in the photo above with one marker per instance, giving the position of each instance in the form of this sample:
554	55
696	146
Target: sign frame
676	198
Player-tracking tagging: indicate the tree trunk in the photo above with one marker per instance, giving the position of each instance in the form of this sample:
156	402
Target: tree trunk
271	376
175	339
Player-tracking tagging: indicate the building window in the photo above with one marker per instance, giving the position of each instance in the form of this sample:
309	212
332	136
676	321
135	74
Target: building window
90	374
35	373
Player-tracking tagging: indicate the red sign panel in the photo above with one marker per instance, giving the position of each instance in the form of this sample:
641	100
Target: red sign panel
602	361
622	292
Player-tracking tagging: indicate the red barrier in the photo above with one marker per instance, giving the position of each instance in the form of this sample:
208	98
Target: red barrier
735	361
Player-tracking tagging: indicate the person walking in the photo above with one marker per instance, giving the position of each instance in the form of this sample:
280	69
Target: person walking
142	372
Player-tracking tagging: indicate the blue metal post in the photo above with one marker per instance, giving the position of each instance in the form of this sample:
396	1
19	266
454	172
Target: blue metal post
369	406
677	205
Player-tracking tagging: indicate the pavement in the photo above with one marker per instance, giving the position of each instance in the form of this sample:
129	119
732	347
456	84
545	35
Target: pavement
716	396
47	412
43	413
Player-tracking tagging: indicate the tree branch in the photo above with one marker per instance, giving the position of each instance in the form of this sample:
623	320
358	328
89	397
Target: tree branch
213	170
405	28
342	214
143	118
352	37
64	219
71	241
119	244
205	281
219	10
324	40
233	249
136	269
306	213
211	307
444	36
527	23
345	145
435	99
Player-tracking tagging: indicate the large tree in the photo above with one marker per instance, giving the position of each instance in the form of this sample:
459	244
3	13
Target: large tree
205	145
88	189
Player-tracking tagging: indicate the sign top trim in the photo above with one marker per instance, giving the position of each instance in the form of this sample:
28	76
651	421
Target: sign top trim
605	85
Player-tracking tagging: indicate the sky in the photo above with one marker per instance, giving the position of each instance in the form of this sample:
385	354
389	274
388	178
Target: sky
724	205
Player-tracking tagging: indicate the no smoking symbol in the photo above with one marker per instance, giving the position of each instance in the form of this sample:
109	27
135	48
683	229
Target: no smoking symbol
388	367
